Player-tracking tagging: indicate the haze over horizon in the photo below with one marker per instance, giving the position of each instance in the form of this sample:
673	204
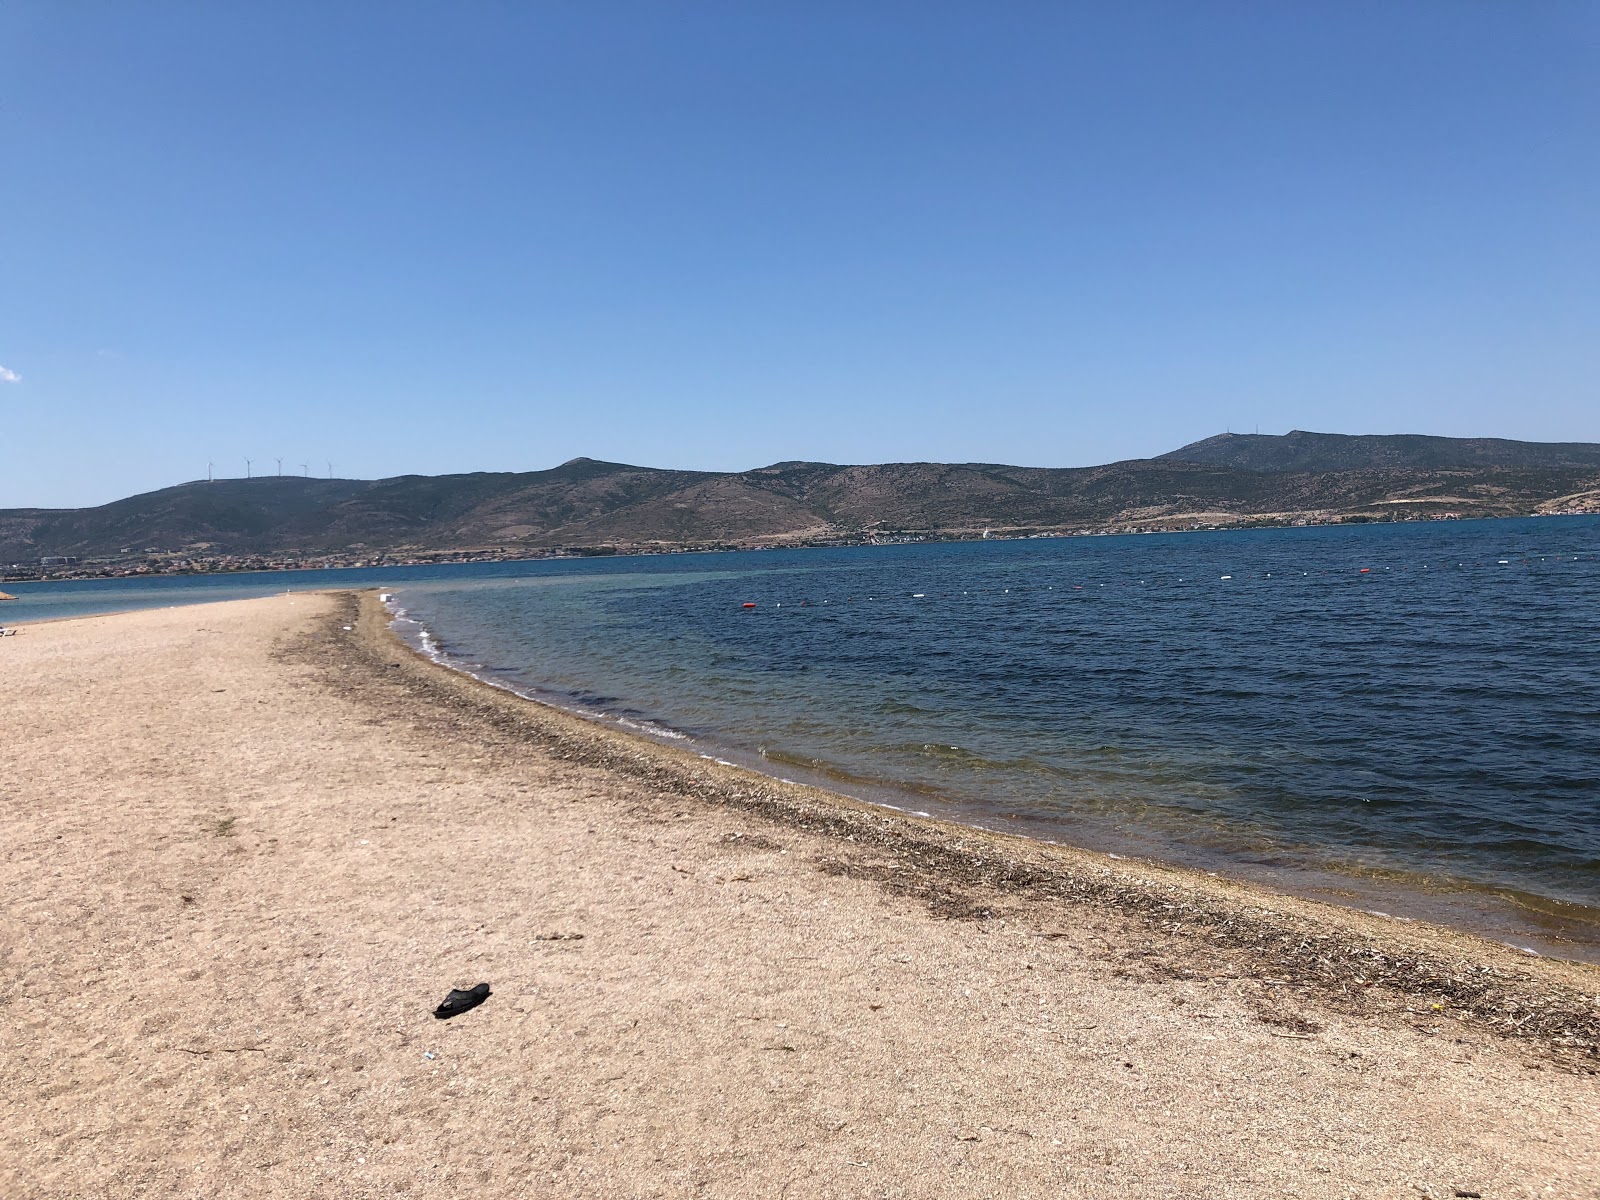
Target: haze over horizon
720	236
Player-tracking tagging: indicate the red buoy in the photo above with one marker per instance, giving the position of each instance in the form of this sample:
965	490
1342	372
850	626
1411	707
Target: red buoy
747	604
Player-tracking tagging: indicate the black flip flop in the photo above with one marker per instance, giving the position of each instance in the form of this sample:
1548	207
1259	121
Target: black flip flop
458	1001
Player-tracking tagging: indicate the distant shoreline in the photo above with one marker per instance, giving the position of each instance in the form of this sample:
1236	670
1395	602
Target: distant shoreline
252	565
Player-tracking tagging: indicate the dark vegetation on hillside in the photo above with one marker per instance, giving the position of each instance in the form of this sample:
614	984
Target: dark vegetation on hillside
1228	479
1301	451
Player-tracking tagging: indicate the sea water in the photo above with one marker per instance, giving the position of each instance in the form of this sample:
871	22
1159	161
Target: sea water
1404	716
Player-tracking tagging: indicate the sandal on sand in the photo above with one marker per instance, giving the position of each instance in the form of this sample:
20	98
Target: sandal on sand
458	1001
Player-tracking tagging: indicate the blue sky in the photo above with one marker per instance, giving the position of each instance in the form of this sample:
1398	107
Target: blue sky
493	236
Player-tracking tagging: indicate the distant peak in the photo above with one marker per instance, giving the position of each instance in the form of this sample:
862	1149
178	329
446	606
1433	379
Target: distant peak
792	464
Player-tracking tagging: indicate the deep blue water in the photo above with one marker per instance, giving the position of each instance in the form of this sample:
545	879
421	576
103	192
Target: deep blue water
1412	705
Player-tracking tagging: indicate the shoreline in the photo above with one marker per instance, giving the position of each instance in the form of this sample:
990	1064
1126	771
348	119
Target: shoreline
817	781
249	847
1546	926
969	872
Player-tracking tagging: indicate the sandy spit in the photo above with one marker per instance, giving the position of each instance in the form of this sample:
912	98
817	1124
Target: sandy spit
247	849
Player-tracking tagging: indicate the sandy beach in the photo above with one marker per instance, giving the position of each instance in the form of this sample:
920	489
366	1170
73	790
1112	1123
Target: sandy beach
248	847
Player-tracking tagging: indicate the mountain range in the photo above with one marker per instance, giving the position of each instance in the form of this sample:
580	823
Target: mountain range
1225	480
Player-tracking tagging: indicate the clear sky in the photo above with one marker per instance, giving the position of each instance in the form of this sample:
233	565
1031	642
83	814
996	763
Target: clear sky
492	236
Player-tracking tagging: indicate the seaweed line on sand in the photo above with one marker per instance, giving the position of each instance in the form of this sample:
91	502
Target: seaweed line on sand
1281	945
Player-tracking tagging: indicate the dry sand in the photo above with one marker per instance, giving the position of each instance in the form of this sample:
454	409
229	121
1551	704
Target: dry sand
244	857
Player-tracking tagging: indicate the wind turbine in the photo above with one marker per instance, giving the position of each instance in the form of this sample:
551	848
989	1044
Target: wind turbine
211	472
305	470
247	463
330	470
280	467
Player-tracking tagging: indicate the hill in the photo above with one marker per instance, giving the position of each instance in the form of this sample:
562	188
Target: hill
599	505
1302	451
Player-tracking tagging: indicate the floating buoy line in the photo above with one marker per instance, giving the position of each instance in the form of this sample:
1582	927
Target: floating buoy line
1353	574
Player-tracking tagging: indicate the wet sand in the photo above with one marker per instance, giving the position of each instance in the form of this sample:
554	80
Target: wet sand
247	850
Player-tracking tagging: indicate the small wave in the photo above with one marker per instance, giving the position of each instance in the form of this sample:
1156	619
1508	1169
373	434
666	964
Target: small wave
652	729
